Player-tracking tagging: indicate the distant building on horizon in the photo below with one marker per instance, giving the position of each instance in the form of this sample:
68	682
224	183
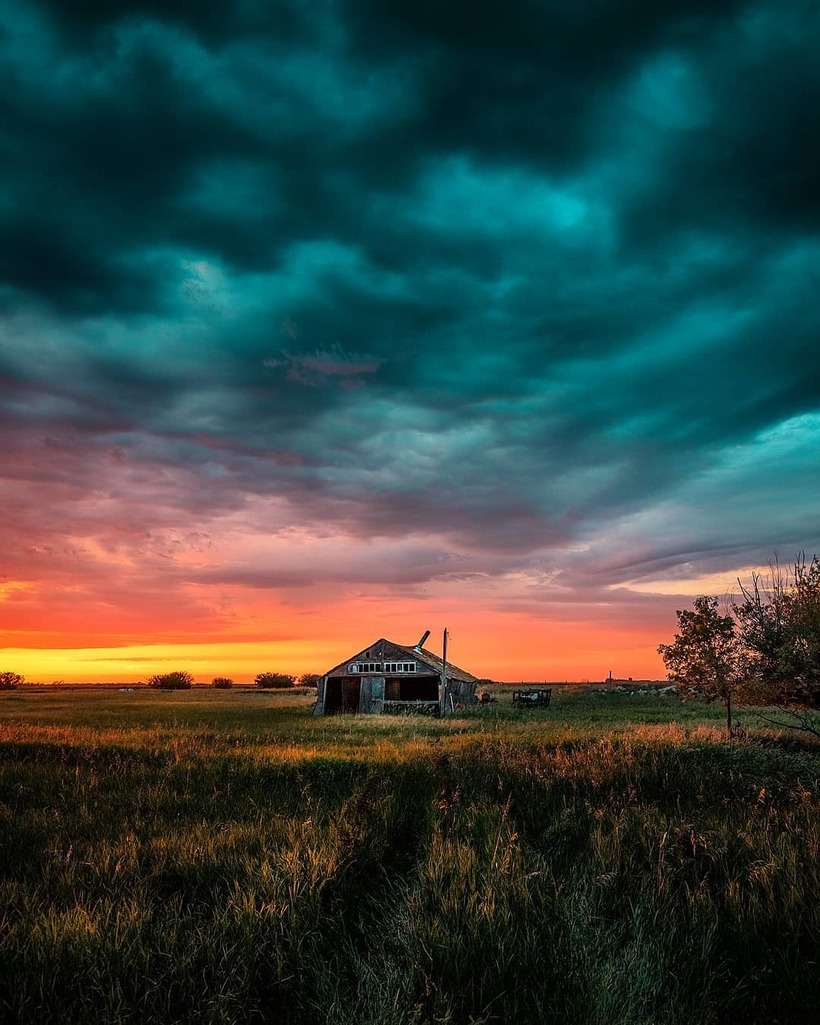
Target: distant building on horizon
388	678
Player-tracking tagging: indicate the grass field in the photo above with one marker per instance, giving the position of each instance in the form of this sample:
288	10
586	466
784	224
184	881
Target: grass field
210	856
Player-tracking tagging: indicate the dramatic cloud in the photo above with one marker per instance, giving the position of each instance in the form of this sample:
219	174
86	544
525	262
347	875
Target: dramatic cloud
309	311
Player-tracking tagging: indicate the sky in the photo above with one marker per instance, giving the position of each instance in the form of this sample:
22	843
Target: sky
322	322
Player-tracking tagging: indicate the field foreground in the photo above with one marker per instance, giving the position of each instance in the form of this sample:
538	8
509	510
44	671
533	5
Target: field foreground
225	857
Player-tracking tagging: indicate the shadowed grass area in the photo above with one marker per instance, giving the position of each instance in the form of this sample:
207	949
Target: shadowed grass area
226	857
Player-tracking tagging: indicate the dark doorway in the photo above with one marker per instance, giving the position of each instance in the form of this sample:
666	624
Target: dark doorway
333	695
351	686
342	694
411	688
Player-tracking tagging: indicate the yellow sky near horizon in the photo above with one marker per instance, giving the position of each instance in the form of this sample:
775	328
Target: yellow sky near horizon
241	661
510	648
522	630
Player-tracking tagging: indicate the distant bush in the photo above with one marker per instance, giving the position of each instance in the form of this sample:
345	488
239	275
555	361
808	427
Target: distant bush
178	680
222	682
277	681
9	680
309	680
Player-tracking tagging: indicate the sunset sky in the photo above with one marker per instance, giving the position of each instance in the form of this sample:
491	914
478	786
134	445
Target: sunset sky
327	321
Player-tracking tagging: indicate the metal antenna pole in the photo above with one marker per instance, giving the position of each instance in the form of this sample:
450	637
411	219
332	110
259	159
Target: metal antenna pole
444	673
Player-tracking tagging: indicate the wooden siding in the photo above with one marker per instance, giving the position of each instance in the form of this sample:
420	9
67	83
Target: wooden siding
343	690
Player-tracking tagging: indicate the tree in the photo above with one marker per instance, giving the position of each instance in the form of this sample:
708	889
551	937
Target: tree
779	630
309	680
178	680
763	630
222	682
804	623
9	680
274	681
704	655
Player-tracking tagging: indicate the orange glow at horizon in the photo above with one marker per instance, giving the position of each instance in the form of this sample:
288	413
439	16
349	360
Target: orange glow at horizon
504	626
497	645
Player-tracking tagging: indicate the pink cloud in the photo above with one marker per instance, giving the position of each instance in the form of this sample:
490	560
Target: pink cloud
316	368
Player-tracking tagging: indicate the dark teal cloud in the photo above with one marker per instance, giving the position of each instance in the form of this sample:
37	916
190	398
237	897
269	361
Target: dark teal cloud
537	278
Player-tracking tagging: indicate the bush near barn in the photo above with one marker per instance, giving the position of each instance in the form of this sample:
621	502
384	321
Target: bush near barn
177	680
275	681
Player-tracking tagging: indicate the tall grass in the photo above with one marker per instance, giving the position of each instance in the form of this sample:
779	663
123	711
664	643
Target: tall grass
211	858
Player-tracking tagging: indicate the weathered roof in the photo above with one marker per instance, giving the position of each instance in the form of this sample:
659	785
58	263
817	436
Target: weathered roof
431	661
453	671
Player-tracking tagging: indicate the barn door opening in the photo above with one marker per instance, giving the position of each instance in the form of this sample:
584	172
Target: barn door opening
333	696
342	694
350	694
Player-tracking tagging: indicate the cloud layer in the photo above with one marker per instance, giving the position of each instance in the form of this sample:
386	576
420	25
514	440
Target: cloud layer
509	311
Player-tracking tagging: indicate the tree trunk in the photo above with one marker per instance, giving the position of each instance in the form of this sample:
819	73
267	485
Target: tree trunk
729	713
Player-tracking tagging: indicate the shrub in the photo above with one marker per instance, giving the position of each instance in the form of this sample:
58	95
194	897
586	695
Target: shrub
9	680
222	682
278	681
178	680
309	679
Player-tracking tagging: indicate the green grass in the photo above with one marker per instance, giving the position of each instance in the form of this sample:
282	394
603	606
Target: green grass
213	856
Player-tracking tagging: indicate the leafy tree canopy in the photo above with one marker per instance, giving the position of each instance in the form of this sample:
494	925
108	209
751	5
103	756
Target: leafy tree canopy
704	655
779	627
177	680
277	681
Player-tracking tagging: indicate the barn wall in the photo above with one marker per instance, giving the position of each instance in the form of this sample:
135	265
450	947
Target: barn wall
319	707
462	692
373	690
377	695
343	691
371	699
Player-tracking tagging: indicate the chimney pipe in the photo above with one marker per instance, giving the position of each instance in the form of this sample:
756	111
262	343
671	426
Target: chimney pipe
424	637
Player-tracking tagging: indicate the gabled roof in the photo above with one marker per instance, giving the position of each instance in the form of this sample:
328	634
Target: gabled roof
453	671
400	651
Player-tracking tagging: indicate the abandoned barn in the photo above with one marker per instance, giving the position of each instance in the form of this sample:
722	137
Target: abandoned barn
389	678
